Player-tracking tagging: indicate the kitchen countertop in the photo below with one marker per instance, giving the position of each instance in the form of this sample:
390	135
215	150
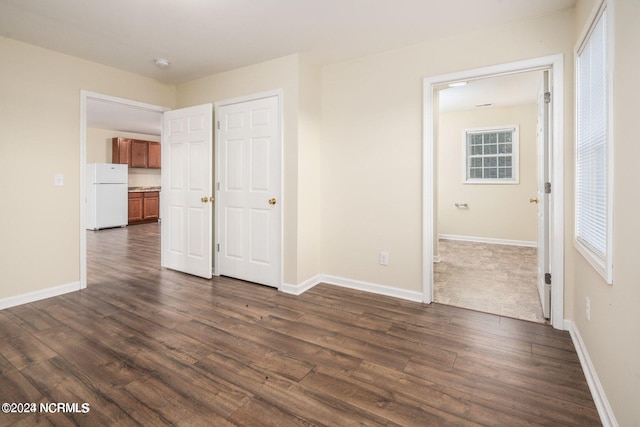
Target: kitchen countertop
143	189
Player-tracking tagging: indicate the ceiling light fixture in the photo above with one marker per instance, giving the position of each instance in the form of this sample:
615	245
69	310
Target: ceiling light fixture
458	84
162	63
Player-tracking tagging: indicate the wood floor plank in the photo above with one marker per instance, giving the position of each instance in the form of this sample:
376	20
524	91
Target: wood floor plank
316	333
23	349
251	353
288	396
540	408
520	379
145	346
292	346
379	400
257	411
438	396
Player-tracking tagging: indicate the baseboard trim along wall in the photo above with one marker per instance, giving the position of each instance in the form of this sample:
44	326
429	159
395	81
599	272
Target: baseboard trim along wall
597	391
38	295
302	287
489	240
352	284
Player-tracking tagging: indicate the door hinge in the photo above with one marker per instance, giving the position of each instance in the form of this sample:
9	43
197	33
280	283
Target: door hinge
547	97
218	247
218	124
547	278
547	187
218	185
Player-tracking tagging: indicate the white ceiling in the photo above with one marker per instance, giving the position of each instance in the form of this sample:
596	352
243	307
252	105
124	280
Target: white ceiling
203	37
120	117
502	91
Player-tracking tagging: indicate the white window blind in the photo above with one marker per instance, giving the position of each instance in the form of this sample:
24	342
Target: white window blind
592	221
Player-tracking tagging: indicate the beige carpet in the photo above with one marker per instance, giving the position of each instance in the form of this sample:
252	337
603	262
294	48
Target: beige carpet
496	279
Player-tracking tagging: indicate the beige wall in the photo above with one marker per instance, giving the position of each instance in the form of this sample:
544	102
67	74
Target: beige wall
309	173
363	141
372	143
99	150
40	136
299	82
495	211
612	336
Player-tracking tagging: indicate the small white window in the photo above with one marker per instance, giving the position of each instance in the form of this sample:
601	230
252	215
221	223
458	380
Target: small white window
491	156
593	150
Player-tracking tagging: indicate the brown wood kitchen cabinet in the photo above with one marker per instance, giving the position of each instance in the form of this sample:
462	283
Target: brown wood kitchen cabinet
136	153
154	155
139	154
121	151
144	206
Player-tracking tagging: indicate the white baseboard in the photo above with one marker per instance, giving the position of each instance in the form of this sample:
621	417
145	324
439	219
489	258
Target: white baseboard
373	288
302	287
607	416
489	240
38	295
351	284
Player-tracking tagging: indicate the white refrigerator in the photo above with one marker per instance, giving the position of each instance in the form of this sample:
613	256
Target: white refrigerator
107	195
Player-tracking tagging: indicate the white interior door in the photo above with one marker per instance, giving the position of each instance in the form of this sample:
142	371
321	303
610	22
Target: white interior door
544	277
248	201
186	198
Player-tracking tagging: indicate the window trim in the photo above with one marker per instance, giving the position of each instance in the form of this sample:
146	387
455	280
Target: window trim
602	264
515	156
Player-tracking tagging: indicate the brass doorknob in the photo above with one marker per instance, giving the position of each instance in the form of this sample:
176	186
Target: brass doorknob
535	200
272	201
204	199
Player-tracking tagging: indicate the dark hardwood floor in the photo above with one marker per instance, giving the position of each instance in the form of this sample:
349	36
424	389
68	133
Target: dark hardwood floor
147	346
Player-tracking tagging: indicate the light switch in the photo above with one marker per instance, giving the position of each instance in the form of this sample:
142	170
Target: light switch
58	179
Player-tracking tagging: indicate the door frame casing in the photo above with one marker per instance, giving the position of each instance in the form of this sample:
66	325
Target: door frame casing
553	63
278	93
85	95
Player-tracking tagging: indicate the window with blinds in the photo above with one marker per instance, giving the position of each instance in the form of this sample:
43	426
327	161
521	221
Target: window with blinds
592	182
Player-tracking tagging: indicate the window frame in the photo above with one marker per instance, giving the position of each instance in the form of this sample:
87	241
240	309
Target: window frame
515	155
601	262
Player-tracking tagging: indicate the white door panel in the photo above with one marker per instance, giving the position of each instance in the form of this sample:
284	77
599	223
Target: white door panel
186	190
249	195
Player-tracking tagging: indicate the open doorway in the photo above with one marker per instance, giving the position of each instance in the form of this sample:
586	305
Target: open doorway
486	194
102	119
555	216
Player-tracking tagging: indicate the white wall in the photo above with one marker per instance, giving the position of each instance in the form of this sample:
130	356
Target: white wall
309	173
39	137
369	164
612	336
495	211
372	143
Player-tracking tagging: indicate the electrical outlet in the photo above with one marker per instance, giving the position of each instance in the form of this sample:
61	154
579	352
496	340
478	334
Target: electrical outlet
384	258
58	179
588	308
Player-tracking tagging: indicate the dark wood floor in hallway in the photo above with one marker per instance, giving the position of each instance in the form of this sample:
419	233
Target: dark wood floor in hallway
147	346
